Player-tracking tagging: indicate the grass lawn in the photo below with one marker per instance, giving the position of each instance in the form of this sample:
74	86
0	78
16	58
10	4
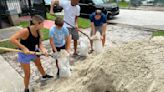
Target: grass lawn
123	4
50	17
24	24
158	33
45	33
82	22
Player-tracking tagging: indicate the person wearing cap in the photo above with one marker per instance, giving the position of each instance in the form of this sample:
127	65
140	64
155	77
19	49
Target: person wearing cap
98	23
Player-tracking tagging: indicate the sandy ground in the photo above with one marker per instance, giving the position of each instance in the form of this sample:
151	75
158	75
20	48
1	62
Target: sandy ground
133	67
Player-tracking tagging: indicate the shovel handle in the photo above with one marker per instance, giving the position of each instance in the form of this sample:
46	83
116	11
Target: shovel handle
16	50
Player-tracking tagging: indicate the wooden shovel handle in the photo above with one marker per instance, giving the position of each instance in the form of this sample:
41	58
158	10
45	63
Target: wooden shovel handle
16	50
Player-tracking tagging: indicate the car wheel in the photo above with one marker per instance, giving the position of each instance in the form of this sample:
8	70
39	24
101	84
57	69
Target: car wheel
109	16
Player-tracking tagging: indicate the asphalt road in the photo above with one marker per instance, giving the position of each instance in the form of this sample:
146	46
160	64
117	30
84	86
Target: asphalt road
148	19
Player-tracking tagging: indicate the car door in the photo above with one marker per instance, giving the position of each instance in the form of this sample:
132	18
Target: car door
87	7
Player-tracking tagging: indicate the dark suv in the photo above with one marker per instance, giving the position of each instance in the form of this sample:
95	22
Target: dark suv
109	7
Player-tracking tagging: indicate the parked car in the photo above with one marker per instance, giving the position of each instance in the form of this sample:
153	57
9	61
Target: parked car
109	7
148	2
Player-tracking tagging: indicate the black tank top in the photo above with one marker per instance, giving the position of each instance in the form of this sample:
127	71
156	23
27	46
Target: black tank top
31	42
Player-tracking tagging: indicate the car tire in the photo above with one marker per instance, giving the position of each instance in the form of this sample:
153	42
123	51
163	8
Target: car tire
109	16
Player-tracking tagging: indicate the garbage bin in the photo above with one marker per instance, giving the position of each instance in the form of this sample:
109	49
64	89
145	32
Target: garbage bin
13	17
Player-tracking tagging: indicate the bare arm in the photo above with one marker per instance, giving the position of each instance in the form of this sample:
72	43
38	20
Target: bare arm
52	44
22	34
68	43
76	21
104	29
42	48
93	28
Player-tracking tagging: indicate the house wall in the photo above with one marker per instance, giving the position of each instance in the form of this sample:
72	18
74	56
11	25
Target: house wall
14	5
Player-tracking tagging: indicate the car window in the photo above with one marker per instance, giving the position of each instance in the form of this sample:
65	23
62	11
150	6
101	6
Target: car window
98	1
48	2
37	1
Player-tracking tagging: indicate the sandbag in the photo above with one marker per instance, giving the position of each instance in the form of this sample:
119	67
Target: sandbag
64	65
97	43
83	51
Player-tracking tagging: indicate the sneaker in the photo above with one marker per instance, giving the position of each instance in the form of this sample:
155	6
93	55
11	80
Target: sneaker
57	75
26	90
46	77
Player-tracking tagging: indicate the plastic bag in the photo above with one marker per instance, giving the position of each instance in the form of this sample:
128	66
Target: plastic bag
97	43
55	55
83	51
64	66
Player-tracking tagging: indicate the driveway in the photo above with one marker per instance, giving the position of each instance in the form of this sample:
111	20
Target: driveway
148	19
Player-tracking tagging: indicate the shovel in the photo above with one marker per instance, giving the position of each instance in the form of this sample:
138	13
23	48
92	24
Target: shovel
31	52
79	31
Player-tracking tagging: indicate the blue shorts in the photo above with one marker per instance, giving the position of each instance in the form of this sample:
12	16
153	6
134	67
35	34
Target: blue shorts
26	58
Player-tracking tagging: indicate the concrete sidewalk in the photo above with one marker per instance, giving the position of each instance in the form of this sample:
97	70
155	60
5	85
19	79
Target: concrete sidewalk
10	80
7	32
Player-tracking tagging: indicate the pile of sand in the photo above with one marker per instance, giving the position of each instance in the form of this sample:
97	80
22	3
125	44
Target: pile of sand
133	67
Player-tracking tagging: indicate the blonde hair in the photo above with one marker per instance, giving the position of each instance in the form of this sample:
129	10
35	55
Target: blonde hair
37	19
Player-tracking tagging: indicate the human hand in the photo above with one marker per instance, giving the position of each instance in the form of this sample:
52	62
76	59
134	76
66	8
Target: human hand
45	52
26	50
55	55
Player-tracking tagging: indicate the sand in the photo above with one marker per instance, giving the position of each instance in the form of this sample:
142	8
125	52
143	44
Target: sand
133	67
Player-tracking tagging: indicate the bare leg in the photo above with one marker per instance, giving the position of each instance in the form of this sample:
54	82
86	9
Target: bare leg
39	66
91	42
57	65
75	46
103	40
26	69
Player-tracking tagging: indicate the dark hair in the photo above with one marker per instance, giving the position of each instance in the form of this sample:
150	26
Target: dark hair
59	21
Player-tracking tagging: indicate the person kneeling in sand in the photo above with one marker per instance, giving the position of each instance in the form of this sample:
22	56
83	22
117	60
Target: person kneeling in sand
59	38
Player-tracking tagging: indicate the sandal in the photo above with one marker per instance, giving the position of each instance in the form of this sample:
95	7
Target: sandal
90	52
75	54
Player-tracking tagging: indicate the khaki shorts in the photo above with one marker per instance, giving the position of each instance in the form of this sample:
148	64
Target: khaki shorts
97	28
74	33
